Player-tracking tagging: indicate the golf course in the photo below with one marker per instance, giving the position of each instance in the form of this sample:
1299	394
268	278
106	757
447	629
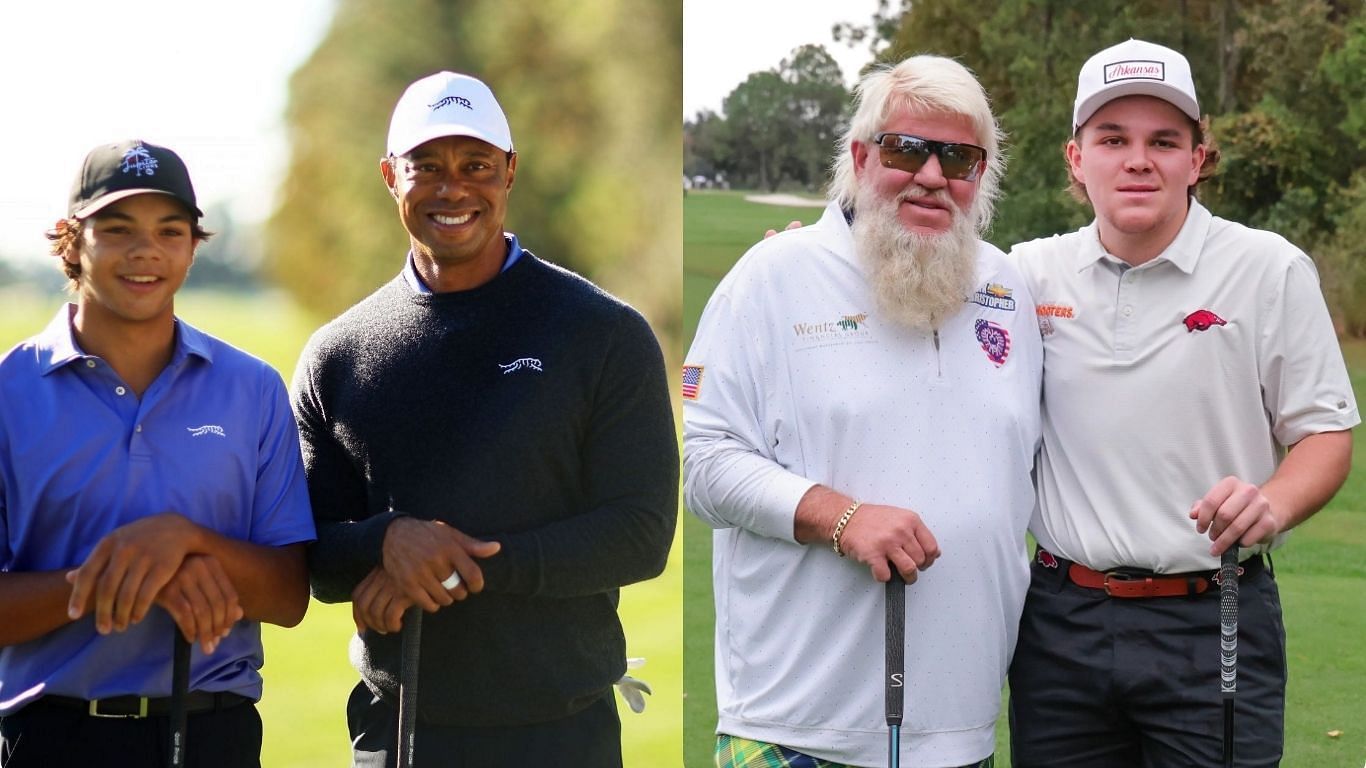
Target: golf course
1321	571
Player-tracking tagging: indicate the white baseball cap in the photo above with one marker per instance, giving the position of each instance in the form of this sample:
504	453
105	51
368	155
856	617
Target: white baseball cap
447	104
1134	68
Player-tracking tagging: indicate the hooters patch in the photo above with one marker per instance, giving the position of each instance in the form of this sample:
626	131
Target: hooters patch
994	339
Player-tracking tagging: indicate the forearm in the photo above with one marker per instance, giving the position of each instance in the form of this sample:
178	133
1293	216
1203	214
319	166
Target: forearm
344	554
1308	477
818	512
32	605
271	582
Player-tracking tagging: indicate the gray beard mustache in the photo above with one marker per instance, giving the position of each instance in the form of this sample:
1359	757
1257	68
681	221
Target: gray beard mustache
918	281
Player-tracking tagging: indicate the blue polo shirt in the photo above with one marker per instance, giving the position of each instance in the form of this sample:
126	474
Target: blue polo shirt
213	439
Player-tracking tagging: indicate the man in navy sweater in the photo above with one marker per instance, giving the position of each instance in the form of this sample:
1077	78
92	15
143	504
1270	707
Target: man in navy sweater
488	437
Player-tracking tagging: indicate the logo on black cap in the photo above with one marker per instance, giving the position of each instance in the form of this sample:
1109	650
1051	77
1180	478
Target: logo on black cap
139	160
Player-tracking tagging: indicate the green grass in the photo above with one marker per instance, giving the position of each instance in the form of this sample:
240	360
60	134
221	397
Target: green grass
307	675
1321	571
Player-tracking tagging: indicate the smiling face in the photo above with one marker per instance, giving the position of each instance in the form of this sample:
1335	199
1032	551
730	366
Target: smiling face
922	196
452	196
133	256
1137	158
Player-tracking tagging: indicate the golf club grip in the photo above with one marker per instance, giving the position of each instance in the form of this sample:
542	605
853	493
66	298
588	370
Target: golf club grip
896	648
407	686
1228	622
180	686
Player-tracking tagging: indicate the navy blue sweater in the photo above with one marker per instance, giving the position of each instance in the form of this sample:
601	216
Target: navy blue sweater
533	411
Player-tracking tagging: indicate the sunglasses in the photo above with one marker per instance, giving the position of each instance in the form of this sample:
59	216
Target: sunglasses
909	153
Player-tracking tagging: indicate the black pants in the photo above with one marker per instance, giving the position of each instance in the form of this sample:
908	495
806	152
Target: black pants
44	736
587	739
1103	682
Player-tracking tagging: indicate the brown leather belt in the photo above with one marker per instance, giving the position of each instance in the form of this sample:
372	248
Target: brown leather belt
1132	583
142	706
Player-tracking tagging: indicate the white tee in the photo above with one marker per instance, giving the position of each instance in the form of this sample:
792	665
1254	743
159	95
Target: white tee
798	382
1162	379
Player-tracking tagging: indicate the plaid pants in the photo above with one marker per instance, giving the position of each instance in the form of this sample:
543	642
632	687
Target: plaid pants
735	752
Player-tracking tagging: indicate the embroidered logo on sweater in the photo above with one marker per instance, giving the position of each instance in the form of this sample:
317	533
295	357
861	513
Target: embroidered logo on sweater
692	381
995	296
207	429
995	341
1202	320
532	363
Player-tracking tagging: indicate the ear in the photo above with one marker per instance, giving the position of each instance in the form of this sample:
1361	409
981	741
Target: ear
859	150
1074	160
1197	162
512	169
386	169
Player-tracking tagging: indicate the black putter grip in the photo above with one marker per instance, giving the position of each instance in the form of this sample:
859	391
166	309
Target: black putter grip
407	687
1228	622
896	647
180	686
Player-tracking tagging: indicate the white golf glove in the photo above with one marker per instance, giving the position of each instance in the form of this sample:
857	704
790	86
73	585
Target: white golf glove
632	689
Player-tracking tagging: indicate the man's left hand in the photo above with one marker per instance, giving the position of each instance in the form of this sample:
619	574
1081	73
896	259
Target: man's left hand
128	569
377	603
1234	512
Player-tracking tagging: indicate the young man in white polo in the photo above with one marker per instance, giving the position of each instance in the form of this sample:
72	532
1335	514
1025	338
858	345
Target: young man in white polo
1195	398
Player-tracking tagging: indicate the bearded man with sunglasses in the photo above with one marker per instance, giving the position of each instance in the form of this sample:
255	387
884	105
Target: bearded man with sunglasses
487	437
861	397
1195	399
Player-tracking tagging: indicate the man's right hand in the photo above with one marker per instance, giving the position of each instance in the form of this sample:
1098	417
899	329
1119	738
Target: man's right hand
878	534
420	554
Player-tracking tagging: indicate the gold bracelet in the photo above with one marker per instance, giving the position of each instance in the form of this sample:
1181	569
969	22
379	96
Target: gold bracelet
839	527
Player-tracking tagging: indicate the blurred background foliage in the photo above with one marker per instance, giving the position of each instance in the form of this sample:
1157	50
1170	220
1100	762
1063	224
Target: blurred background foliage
1283	81
591	89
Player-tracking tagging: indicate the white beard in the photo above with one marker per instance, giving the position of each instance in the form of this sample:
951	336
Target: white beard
918	281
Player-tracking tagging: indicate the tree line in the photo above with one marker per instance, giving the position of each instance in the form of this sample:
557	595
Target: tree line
1282	81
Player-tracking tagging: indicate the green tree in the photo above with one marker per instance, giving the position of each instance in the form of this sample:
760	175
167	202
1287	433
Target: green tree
591	90
756	123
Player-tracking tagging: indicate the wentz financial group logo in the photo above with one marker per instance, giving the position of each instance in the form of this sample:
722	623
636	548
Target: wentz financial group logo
842	329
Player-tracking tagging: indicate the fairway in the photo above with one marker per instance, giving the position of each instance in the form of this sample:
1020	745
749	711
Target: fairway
1321	571
307	675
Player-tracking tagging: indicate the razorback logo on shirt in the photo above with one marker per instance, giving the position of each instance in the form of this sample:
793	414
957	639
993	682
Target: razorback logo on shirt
1202	320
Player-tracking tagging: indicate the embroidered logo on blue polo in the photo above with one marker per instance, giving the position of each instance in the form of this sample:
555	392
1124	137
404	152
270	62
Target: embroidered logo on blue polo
449	100
994	339
528	363
139	162
995	296
207	429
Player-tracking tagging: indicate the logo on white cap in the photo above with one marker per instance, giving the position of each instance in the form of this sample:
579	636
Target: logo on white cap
447	104
1134	68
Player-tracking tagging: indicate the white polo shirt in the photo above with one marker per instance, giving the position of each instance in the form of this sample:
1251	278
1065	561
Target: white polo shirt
798	381
1162	379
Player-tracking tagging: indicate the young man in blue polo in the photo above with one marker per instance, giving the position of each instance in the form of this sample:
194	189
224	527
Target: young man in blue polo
150	483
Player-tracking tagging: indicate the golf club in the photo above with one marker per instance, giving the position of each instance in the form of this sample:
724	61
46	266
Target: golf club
896	664
1228	642
407	685
180	685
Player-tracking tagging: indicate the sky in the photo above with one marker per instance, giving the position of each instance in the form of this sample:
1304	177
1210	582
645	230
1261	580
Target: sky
208	80
726	40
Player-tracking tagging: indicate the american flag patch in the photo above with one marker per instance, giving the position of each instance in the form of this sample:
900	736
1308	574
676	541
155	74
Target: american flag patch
692	381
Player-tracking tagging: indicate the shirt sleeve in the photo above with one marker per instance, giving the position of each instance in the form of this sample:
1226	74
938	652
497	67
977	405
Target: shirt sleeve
350	541
280	510
731	477
1306	388
630	486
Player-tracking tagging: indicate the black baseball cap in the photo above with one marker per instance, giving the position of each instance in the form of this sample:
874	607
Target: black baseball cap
112	172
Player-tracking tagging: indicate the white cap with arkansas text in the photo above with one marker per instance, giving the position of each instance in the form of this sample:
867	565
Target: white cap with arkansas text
1134	68
447	104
